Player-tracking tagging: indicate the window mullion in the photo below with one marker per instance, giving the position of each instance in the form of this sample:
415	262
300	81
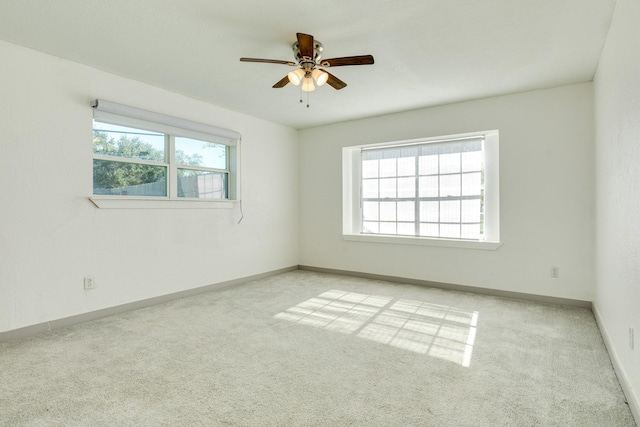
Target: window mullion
460	204
227	181
416	203
172	179
202	168
397	194
379	197
128	160
439	196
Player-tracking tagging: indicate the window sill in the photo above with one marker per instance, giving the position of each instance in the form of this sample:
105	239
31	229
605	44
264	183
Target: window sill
420	241
159	203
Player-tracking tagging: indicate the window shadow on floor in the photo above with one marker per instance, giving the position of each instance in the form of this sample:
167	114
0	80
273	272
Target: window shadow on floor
436	330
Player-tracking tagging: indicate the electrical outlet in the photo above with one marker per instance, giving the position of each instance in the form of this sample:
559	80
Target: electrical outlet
89	283
555	271
631	338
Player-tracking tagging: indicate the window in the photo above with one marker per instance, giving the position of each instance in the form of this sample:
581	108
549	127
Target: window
442	188
143	155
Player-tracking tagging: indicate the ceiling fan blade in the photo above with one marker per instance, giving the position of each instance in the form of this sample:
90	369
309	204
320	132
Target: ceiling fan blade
281	83
335	82
268	61
347	60
305	44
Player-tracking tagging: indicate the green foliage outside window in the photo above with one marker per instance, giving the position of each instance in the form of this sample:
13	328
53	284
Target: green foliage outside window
118	174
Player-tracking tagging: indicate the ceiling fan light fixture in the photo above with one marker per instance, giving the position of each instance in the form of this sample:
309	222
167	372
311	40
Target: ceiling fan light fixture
307	52
296	76
307	85
320	76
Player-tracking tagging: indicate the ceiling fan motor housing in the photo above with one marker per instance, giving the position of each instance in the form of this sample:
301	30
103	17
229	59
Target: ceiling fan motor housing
317	54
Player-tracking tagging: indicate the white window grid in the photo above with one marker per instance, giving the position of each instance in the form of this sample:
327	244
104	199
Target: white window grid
425	215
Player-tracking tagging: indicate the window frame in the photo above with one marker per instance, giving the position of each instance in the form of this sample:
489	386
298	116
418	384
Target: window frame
352	195
171	128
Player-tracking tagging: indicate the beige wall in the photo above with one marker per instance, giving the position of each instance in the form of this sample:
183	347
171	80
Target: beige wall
546	195
617	97
51	236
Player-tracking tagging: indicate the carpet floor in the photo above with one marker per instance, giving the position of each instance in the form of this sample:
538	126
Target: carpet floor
313	349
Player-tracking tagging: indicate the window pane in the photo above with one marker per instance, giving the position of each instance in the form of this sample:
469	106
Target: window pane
406	229
450	163
406	211
370	227
128	179
407	187
194	152
451	231
430	211
428	165
201	184
470	231
387	211
120	141
471	161
369	168
450	186
370	211
388	228
370	188
471	184
388	167
406	166
429	186
429	230
388	188
470	211
450	211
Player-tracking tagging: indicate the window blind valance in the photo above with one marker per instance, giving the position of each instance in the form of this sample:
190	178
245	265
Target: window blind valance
113	112
423	149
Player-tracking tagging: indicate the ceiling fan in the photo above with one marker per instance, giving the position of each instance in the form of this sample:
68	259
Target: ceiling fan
308	56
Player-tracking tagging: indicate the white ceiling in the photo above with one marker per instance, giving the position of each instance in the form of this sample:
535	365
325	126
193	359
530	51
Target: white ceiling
427	52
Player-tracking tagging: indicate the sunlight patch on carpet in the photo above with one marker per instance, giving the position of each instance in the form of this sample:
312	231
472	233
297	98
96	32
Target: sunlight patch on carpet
436	330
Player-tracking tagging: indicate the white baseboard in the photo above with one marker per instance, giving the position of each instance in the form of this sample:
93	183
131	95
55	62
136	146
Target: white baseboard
627	388
448	286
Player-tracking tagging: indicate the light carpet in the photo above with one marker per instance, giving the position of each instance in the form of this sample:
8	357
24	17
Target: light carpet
312	349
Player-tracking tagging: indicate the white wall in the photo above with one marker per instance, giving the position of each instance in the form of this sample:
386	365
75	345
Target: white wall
617	97
51	236
546	193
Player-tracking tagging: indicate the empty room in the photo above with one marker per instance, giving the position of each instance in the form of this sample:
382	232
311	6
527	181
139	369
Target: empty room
365	213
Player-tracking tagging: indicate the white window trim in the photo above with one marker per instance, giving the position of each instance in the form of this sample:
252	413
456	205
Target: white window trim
121	202
351	208
123	115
